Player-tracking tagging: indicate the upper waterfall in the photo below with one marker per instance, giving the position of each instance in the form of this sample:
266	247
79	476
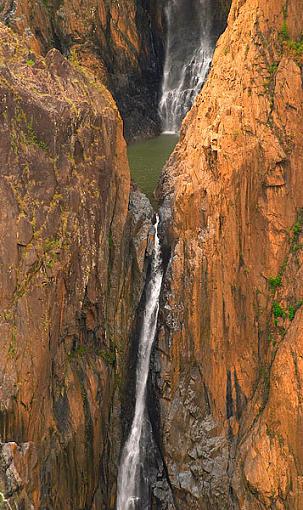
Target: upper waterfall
189	51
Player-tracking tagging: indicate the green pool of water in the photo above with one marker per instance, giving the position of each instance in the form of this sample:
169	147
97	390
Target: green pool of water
146	160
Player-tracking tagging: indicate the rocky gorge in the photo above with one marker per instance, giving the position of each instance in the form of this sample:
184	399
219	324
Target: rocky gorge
224	391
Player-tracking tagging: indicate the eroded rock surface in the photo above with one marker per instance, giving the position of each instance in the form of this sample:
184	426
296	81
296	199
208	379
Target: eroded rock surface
72	273
120	42
230	374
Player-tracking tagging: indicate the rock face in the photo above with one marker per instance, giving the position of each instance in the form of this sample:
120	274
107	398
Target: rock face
228	368
72	272
228	365
120	42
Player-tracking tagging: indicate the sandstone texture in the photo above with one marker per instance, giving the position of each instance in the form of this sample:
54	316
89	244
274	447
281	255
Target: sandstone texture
229	368
72	258
120	42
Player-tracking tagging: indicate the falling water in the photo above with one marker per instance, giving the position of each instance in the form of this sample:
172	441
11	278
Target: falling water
189	51
132	460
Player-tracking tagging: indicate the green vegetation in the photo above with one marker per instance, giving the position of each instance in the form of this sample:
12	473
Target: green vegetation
295	47
270	433
264	375
52	244
292	310
110	240
77	352
270	81
51	249
296	232
74	60
12	349
109	357
278	311
272	68
275	282
24	132
291	313
284	31
33	139
30	62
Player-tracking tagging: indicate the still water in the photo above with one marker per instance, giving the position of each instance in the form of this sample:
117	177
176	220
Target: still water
146	160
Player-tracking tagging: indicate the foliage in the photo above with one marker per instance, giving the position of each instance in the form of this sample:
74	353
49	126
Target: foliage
296	232
110	240
275	282
296	47
78	352
109	357
24	132
292	310
272	68
291	313
284	31
278	310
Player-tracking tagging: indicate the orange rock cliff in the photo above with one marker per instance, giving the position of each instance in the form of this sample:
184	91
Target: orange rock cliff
73	240
230	345
226	380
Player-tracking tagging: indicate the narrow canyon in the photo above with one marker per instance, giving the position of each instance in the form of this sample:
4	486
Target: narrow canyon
151	254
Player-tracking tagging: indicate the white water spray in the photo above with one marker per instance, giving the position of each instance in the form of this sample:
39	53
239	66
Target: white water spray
189	52
132	459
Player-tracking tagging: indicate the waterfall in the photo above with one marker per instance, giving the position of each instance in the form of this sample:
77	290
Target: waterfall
189	51
132	460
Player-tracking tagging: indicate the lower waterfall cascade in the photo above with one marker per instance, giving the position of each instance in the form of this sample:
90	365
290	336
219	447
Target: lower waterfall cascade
189	51
130	477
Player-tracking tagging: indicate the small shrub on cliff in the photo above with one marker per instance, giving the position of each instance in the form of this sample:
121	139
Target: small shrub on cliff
292	310
295	48
33	139
291	313
109	357
296	232
284	31
24	133
278	310
275	282
272	68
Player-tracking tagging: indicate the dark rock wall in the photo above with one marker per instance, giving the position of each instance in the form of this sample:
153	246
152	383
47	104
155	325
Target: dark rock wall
120	42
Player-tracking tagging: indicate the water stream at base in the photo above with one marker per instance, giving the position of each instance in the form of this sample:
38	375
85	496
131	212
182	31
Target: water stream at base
189	51
130	477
